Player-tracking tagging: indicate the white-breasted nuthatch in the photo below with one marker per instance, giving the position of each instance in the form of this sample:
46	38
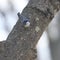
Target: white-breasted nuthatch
24	20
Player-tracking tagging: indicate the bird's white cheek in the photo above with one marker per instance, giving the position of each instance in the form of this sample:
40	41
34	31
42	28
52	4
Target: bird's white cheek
27	24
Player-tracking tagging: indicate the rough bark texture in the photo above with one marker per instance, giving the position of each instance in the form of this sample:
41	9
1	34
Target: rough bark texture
21	42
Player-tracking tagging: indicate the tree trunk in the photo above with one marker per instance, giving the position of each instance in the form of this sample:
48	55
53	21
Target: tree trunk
21	42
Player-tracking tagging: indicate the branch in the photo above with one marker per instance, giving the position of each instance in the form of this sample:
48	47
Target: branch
21	42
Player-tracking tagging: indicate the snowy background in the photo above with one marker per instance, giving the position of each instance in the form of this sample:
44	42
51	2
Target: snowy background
8	18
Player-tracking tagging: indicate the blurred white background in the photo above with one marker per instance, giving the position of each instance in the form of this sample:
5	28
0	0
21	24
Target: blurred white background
8	15
8	18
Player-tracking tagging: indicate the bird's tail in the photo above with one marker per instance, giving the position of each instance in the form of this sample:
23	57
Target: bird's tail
19	15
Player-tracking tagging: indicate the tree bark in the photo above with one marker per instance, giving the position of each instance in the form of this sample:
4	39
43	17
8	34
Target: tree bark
21	42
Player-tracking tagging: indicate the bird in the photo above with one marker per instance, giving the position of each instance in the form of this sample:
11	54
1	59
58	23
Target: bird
25	21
